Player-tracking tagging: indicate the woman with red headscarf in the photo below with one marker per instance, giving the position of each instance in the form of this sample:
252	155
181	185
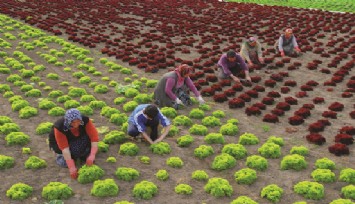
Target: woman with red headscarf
172	88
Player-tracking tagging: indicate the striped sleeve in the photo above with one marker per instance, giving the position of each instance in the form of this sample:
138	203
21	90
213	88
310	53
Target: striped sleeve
139	120
163	119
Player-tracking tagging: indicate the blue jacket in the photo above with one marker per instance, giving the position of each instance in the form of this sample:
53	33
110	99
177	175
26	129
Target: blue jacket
139	119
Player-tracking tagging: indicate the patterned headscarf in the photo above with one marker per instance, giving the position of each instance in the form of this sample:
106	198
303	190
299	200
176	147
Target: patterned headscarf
182	71
70	115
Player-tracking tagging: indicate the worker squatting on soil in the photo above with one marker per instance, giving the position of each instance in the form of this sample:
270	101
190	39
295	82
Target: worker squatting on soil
287	44
74	137
230	65
144	116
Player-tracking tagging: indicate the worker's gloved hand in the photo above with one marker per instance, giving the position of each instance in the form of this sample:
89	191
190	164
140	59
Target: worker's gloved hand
178	101
72	169
200	99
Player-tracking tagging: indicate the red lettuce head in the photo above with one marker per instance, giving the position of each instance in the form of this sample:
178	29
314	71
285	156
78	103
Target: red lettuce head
290	83
306	88
237	87
295	120
216	87
245	97
329	114
290	100
308	105
318	100
252	111
303	112
316	127
271	118
274	94
352	114
283	106
285	89
207	92
236	103
316	138
270	83
252	93
339	149
259	88
350	130
278	112
344	139
230	92
336	106
220	98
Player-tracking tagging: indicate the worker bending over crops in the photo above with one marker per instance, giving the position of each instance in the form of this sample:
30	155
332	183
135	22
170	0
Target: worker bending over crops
230	65
251	52
74	137
172	88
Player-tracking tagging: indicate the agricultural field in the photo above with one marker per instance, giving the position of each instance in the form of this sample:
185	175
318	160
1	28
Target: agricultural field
327	5
287	137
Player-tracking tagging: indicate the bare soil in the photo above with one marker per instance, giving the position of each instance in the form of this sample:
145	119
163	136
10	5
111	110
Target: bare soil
252	124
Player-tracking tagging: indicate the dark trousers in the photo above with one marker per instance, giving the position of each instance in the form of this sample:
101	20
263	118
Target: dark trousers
153	124
236	71
254	57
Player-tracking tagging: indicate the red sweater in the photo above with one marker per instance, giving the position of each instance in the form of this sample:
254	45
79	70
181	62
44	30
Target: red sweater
62	139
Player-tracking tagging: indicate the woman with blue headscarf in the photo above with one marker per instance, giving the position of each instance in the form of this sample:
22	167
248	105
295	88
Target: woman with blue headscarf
74	137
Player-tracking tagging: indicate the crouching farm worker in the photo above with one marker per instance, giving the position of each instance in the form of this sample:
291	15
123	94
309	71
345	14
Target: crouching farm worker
287	44
172	88
251	52
144	116
74	137
230	65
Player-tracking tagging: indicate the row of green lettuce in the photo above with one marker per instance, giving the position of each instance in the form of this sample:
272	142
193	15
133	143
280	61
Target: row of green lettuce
19	62
327	5
218	187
